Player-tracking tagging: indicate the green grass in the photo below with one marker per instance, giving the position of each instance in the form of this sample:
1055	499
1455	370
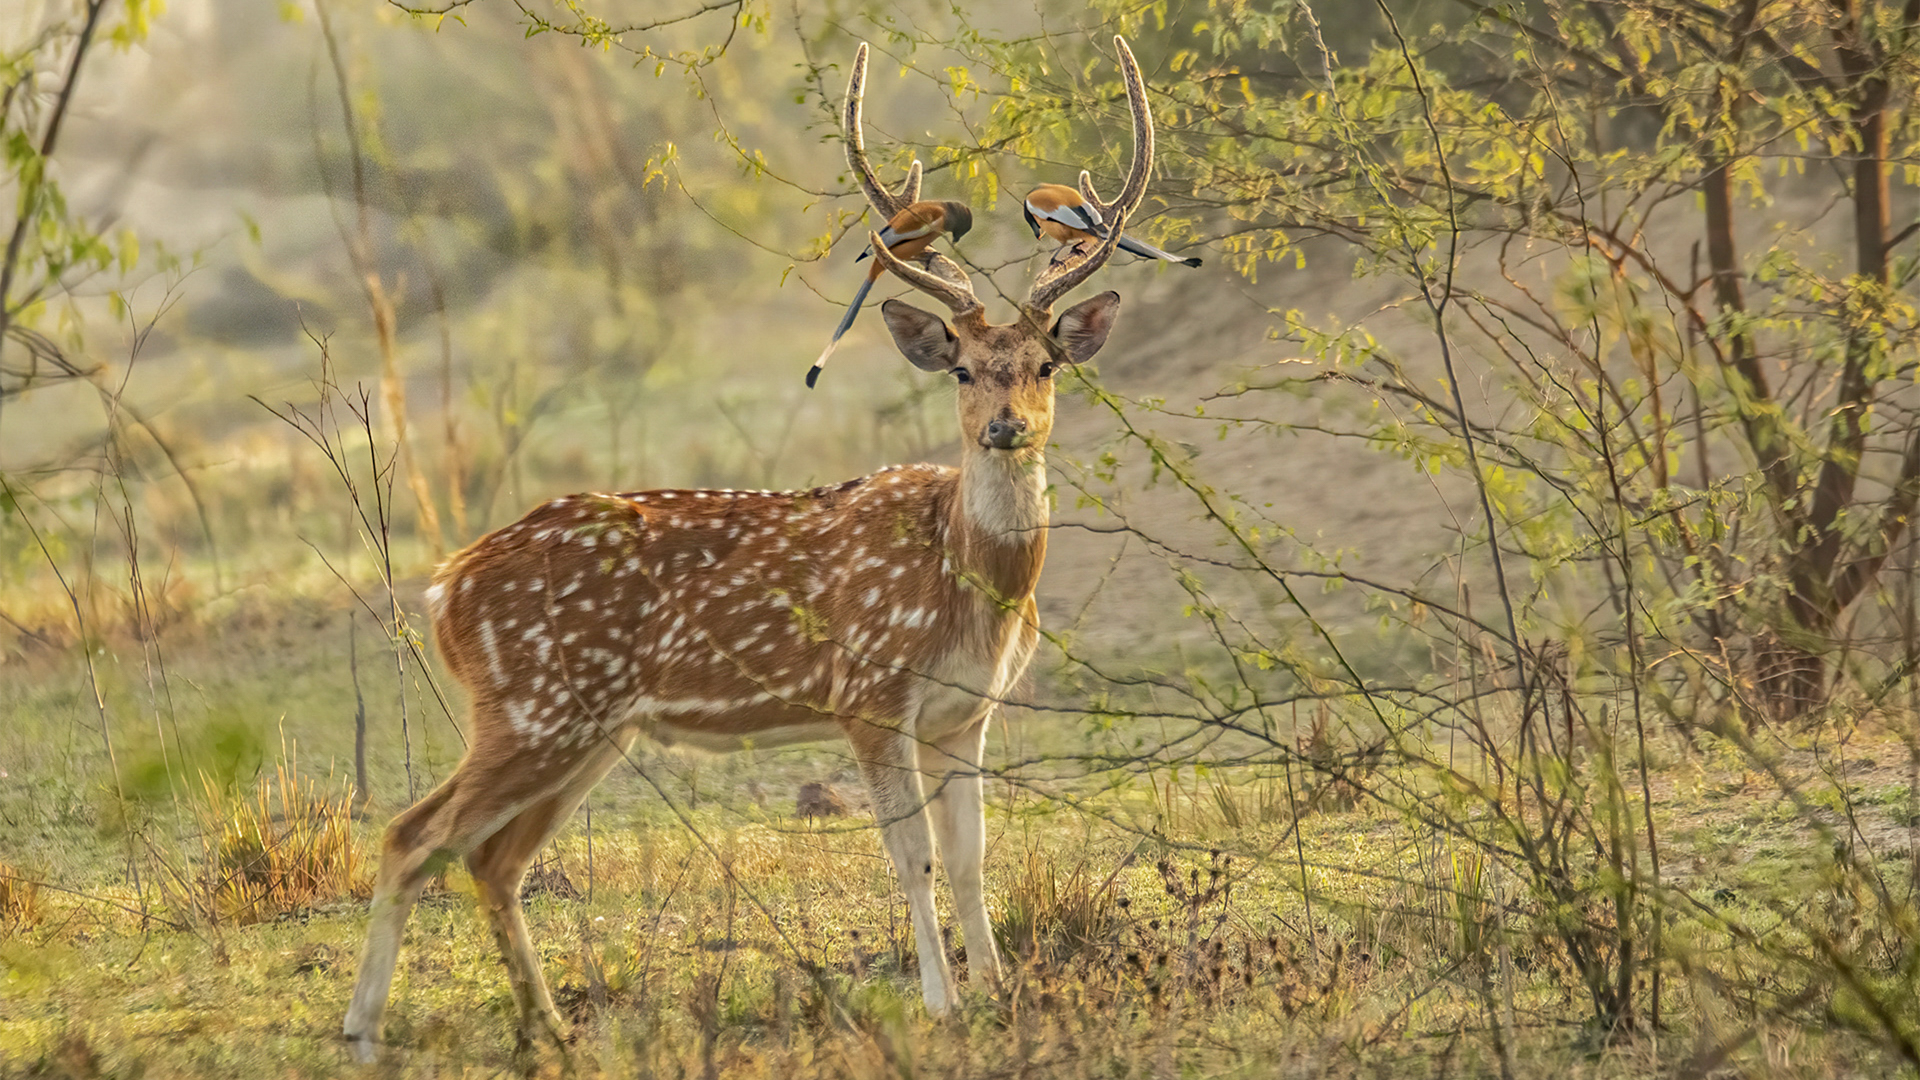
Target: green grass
1161	923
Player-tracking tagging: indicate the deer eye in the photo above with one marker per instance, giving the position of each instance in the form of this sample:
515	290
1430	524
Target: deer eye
960	376
1046	370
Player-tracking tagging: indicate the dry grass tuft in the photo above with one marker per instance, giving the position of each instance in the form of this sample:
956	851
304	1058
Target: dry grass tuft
282	848
1242	803
549	878
19	898
1053	917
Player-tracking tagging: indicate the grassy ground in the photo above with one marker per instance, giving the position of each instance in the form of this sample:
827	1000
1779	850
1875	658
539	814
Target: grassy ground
1177	923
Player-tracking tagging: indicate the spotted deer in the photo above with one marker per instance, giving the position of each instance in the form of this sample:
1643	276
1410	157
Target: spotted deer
895	610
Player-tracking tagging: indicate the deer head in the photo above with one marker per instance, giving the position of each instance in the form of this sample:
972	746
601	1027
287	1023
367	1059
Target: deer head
1005	372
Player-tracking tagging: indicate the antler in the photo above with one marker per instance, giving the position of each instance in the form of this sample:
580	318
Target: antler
944	281
1055	281
885	203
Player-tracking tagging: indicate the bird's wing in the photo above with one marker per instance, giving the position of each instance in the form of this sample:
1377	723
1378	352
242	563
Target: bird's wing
893	239
889	236
1084	218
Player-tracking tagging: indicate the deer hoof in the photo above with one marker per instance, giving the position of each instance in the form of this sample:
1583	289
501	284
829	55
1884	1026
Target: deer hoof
363	1049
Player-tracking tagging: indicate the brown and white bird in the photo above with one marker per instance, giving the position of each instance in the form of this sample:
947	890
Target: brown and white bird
907	237
1063	214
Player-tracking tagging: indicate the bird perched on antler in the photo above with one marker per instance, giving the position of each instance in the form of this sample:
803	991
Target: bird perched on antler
1065	215
906	237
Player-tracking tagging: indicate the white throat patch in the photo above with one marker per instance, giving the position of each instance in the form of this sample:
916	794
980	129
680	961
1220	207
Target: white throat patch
1005	495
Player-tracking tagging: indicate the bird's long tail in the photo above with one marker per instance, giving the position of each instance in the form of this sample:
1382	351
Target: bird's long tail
813	373
1148	251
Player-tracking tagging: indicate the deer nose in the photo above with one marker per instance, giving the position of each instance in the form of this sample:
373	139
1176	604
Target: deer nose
1007	433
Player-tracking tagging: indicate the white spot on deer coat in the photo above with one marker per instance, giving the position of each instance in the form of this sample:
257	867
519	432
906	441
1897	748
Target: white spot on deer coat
492	647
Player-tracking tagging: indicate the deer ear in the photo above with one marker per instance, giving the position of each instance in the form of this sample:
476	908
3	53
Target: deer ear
1083	329
923	337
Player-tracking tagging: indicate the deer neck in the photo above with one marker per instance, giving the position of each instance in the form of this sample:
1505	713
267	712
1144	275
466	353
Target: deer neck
998	521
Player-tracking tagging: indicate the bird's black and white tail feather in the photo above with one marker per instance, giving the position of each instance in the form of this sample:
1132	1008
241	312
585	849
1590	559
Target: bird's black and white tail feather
859	298
1148	251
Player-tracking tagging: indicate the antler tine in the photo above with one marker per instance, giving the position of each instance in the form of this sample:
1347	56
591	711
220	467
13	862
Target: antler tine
1136	182
885	203
1057	281
945	282
910	191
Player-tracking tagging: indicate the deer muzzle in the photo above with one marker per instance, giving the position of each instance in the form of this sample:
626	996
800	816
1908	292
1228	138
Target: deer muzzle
1006	433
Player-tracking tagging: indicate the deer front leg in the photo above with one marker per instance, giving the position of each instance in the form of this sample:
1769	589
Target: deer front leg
952	767
887	761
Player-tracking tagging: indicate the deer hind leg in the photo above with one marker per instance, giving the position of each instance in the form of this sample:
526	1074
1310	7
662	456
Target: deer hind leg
490	787
887	761
406	862
499	865
952	767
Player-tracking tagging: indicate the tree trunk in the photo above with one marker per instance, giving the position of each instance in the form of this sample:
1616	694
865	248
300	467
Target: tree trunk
1825	570
1789	679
